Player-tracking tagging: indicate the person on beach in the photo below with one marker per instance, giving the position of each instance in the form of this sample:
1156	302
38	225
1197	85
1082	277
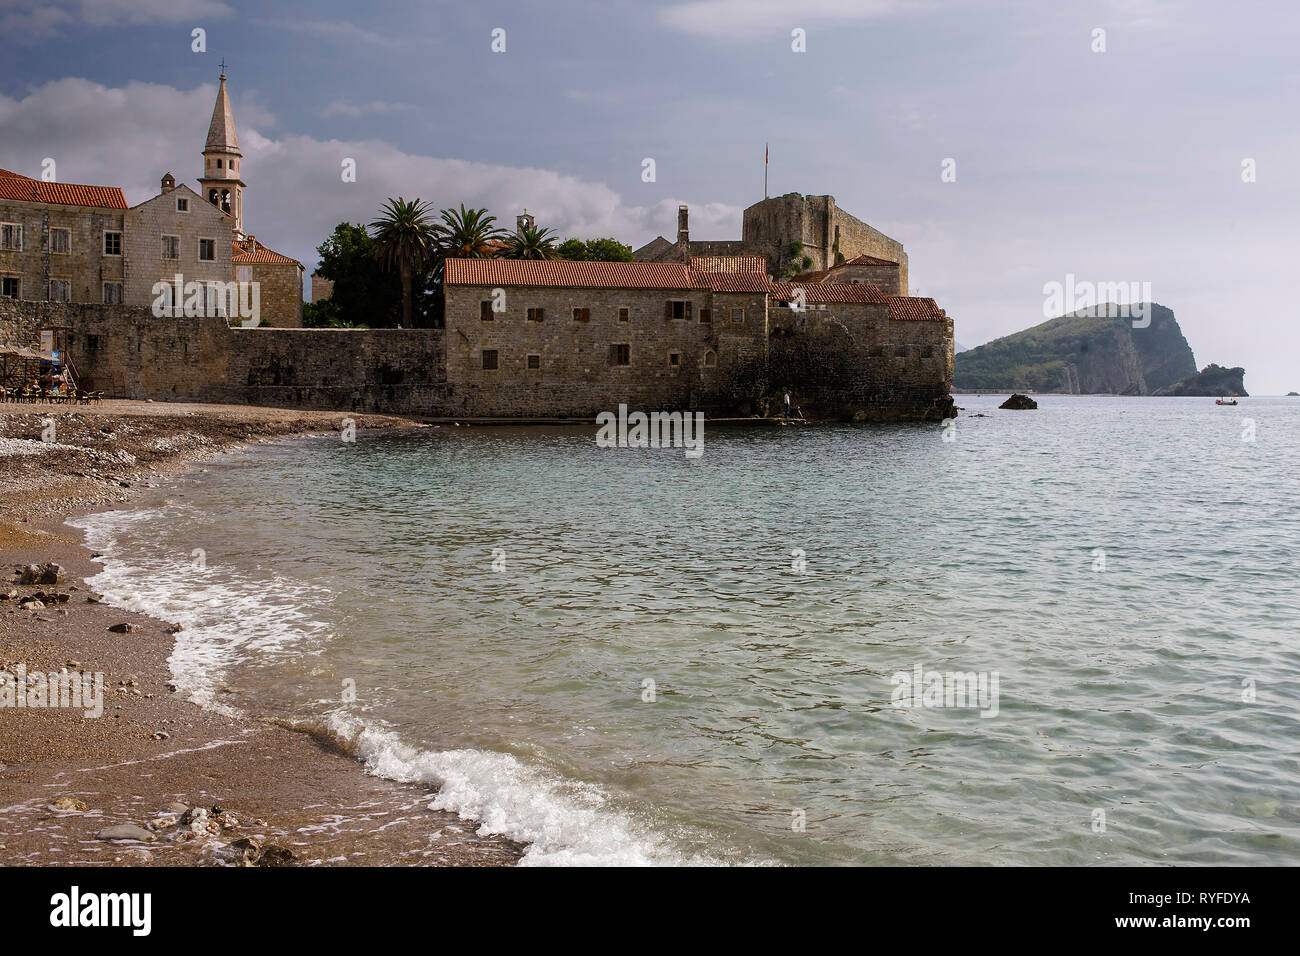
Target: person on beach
787	404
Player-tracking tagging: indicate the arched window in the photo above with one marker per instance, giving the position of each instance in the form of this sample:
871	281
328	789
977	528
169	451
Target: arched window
710	359
214	197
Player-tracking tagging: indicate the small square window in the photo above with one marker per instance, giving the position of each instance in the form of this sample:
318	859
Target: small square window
112	243
624	314
11	287
674	359
183	204
112	293
536	315
620	355
534	361
677	309
582	315
490	359
60	290
737	316
11	236
61	241
208	250
92	342
706	316
171	247
485	310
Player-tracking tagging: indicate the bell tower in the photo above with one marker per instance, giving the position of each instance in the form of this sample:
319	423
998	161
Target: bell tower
220	183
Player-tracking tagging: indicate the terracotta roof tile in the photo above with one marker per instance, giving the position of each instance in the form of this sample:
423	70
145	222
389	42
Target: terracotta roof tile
828	292
731	281
26	189
729	264
906	308
865	260
562	272
242	253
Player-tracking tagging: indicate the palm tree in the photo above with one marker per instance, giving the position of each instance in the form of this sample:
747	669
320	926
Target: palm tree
405	238
468	234
530	243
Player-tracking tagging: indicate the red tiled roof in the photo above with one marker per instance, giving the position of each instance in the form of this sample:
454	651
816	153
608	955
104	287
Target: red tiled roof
562	272
25	189
906	308
729	264
242	253
866	260
830	292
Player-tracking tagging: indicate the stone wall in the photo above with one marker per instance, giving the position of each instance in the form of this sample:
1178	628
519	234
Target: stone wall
147	223
823	228
898	369
84	266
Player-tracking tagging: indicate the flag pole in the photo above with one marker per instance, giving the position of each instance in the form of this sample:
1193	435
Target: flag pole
765	170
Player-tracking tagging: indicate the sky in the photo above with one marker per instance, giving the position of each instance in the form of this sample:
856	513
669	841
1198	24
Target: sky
1163	151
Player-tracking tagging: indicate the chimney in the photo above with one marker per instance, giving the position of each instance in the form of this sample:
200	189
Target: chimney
683	225
168	182
523	222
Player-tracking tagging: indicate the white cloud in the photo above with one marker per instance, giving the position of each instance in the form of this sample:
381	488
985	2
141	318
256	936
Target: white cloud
35	19
750	19
130	136
357	110
338	30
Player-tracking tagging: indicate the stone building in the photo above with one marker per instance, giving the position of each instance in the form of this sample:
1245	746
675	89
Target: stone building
828	236
61	242
66	242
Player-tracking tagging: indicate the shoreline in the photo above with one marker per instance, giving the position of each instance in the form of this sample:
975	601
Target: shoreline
68	777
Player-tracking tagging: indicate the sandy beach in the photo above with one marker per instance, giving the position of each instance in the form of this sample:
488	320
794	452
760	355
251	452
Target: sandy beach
200	787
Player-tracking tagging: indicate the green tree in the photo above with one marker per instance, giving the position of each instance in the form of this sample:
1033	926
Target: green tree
365	293
405	239
530	243
595	250
468	234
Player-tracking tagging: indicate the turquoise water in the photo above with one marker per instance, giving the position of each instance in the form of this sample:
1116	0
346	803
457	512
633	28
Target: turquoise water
1126	567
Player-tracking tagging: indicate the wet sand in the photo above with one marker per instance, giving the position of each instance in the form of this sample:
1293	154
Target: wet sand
150	749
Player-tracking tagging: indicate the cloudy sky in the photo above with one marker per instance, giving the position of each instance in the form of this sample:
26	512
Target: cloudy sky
1122	165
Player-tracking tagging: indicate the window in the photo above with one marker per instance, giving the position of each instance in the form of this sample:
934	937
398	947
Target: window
112	243
490	360
710	359
218	164
624	314
11	236
534	361
183	204
171	247
207	250
900	351
706	316
737	316
620	355
113	293
485	310
677	309
11	287
92	342
582	315
61	241
60	290
674	359
536	315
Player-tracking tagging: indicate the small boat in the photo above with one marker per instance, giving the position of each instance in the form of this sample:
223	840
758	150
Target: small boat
1221	401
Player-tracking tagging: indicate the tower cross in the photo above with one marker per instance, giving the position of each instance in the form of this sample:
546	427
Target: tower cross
223	66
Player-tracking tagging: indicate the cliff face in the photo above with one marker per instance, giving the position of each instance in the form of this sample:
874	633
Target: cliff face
1086	352
1211	380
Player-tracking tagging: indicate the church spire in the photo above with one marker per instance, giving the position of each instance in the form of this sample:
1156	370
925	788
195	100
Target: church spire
221	183
221	131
